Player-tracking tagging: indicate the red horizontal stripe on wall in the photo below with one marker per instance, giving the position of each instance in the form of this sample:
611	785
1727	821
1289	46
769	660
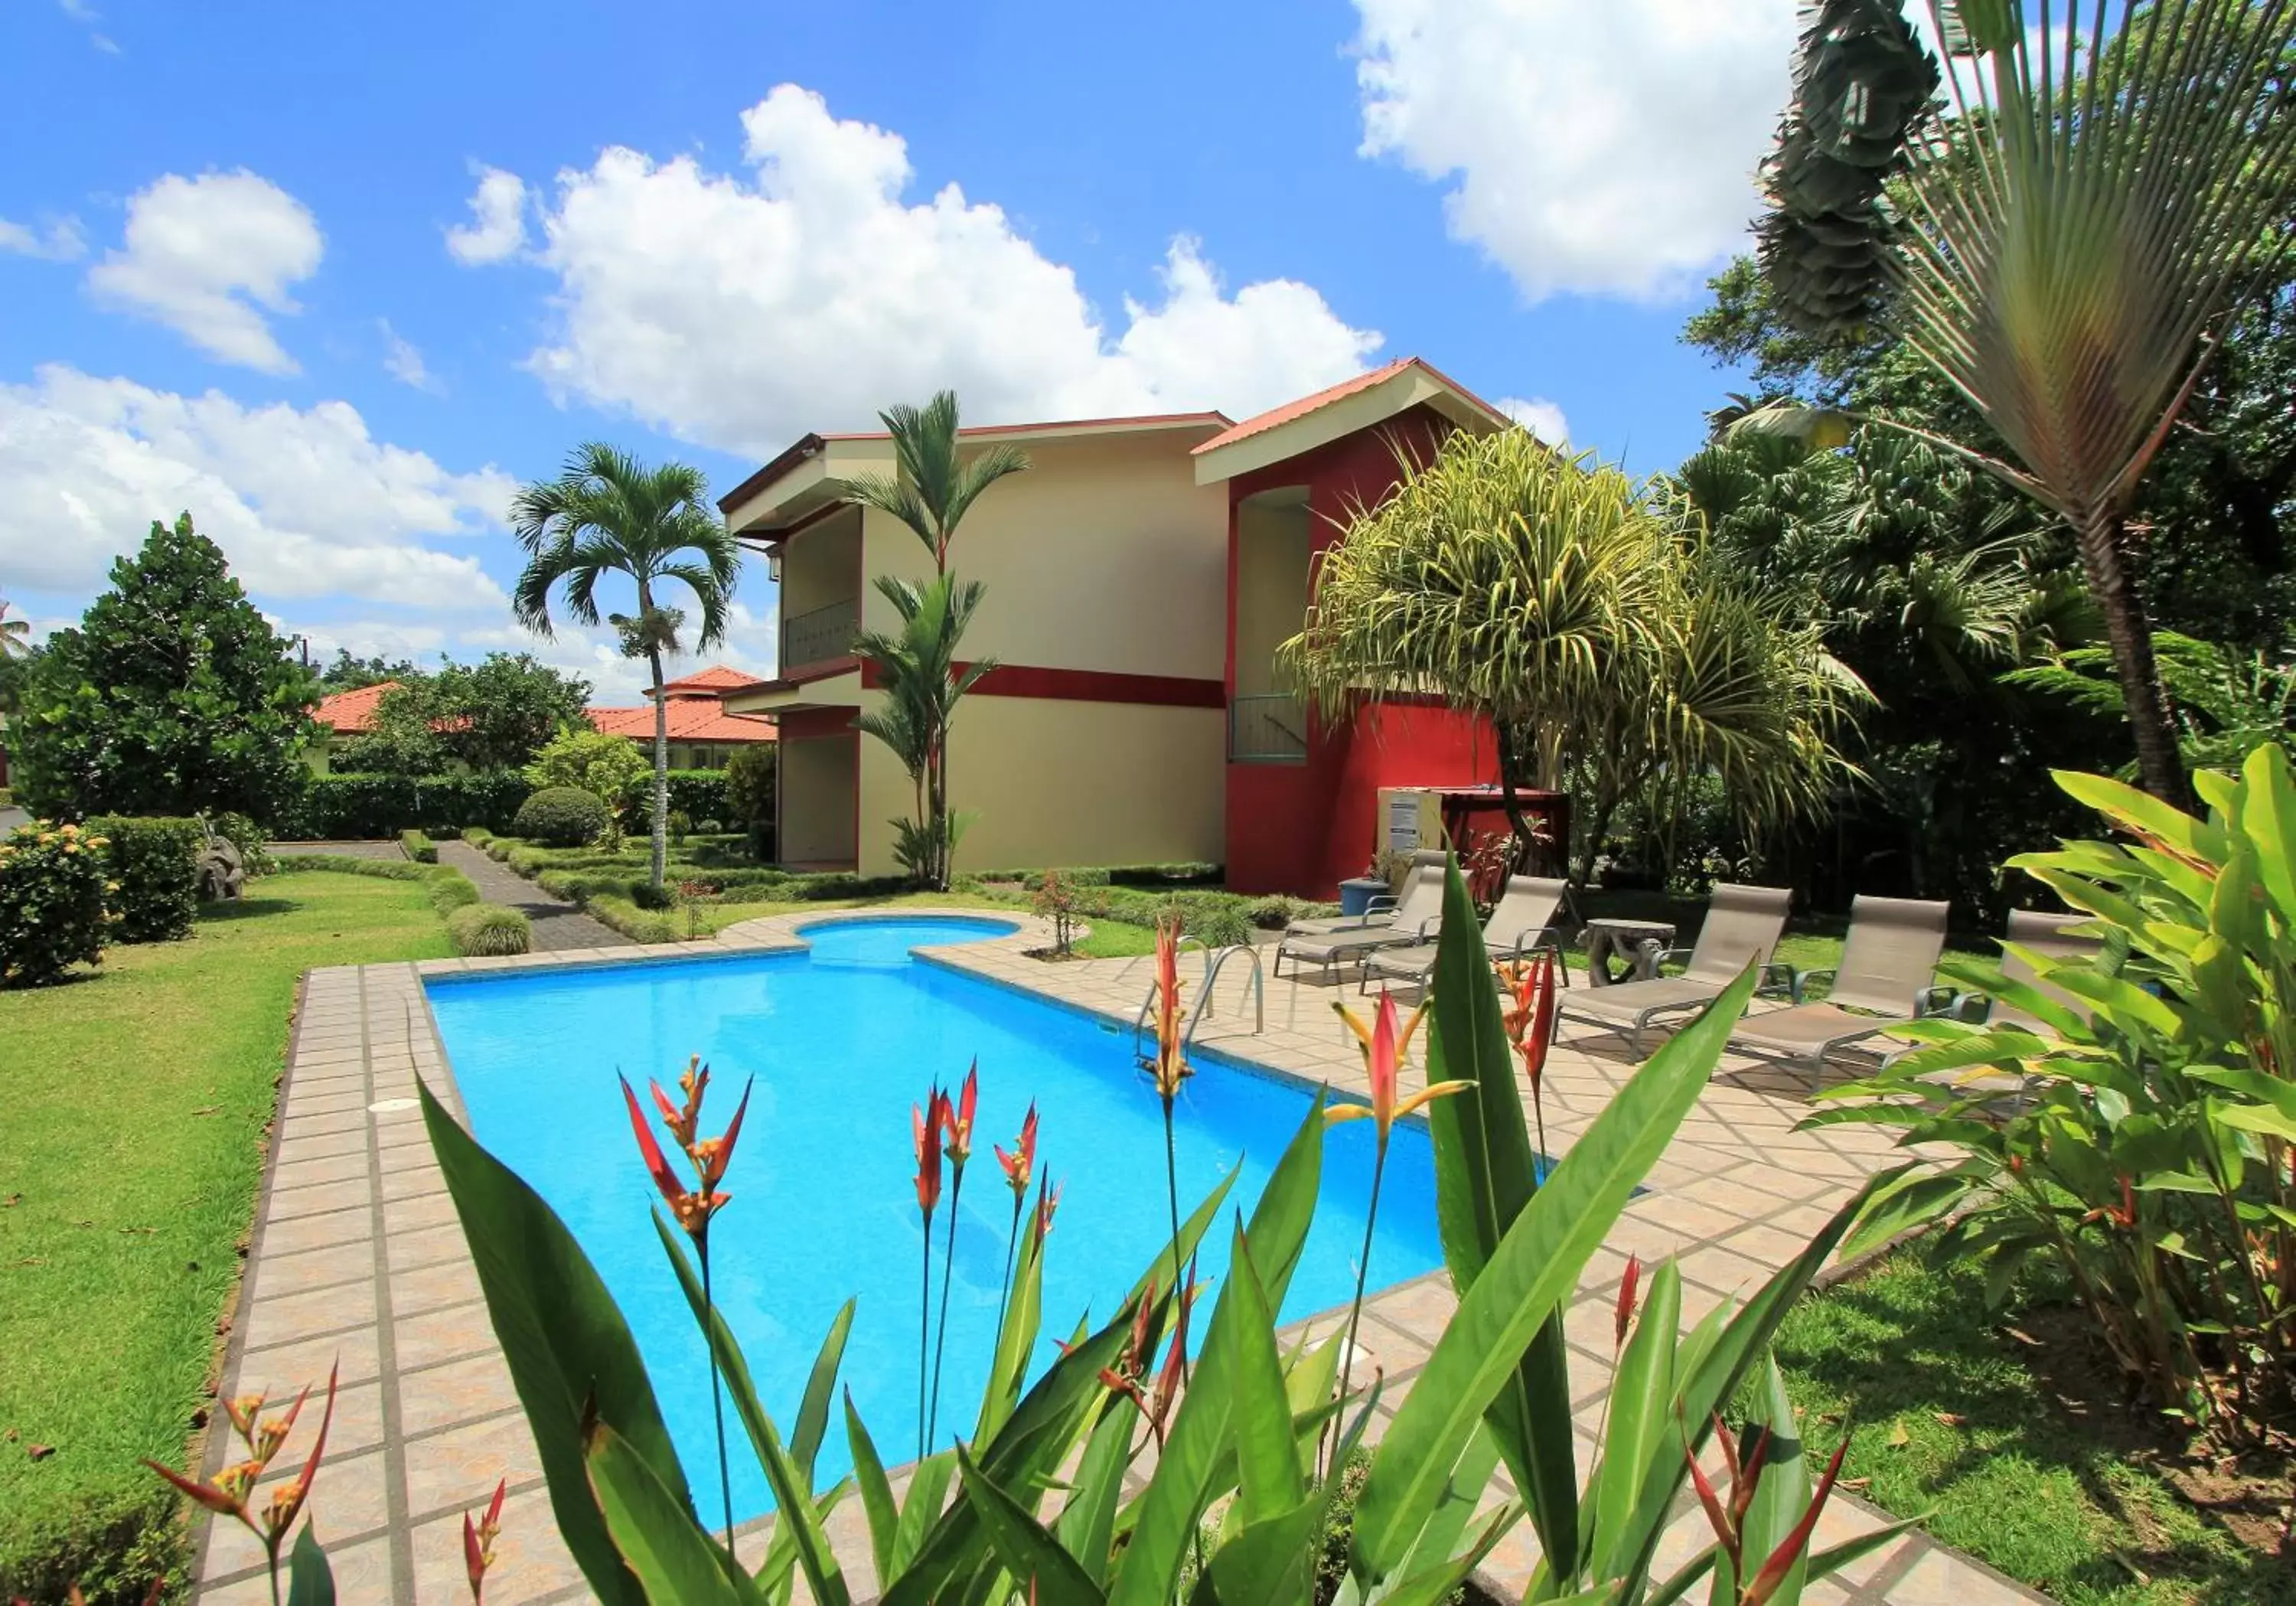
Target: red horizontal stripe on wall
1087	685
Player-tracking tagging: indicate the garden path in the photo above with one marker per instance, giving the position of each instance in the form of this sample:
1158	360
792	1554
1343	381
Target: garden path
558	926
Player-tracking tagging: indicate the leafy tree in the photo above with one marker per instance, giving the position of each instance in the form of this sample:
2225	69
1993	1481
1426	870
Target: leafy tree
612	767
934	486
402	735
495	714
609	514
174	695
1556	599
2059	246
752	775
348	673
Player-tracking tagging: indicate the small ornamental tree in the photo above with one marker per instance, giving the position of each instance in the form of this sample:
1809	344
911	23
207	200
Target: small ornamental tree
750	776
174	695
612	767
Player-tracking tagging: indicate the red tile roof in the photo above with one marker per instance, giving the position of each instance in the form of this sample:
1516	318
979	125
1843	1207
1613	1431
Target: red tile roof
352	713
1305	405
691	720
711	681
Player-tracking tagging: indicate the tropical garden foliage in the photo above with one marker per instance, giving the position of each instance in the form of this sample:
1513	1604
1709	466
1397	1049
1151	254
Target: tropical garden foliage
609	515
935	484
1593	620
494	714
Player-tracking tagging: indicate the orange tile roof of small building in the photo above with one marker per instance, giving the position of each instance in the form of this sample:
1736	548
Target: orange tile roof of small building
1324	398
691	720
352	713
712	681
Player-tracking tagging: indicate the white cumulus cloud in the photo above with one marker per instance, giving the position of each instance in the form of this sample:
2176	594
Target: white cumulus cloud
1542	417
60	240
209	256
402	361
741	310
1605	149
497	227
305	502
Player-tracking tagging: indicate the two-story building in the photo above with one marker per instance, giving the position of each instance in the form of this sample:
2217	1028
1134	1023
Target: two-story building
1139	577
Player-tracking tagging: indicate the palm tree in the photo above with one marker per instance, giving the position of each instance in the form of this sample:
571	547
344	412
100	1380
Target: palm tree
2057	236
15	634
605	514
932	489
1554	598
921	682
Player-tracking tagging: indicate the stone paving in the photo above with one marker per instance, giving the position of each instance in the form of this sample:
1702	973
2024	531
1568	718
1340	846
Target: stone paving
558	926
356	1257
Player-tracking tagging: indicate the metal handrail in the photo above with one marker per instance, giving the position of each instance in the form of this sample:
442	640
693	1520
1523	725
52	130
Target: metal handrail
819	634
1266	728
1258	990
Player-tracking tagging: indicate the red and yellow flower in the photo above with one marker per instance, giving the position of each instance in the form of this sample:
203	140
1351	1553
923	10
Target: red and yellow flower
1022	1161
1384	1044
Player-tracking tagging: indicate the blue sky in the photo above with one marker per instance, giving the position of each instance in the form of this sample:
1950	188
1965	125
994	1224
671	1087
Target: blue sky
335	277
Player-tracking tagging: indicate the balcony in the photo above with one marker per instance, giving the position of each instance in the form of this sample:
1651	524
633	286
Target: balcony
819	634
1267	728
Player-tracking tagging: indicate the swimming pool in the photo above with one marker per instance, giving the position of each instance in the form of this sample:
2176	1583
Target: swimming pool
841	1041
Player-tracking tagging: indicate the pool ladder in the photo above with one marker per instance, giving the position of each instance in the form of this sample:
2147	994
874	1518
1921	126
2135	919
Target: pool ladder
1215	960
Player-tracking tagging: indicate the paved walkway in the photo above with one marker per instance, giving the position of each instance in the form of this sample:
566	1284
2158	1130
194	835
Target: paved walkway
558	926
357	1257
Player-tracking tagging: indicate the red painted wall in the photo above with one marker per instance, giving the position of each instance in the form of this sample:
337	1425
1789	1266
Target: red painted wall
1302	828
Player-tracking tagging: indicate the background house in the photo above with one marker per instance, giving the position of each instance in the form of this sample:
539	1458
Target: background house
1139	577
703	735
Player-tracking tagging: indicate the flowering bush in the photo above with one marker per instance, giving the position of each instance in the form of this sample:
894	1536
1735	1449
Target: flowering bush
155	871
51	913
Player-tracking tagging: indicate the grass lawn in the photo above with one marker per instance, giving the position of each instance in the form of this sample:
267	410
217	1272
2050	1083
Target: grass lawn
131	1143
1948	1417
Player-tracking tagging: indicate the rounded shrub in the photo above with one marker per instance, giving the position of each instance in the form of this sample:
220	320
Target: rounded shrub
52	897
563	817
155	873
449	888
484	930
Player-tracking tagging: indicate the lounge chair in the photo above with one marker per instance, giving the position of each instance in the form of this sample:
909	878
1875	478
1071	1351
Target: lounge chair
1418	916
1522	922
1382	911
2048	936
1742	926
1888	965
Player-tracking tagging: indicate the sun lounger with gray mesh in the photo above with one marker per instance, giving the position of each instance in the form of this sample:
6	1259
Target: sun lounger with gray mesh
1380	912
2031	934
1418	918
1743	927
1888	969
1520	923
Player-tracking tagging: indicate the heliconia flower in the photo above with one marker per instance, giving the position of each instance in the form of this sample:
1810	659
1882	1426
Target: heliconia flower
1023	1160
1626	1311
1790	1548
1383	1048
924	1130
665	1176
957	1118
1168	1382
479	1542
712	1156
693	1206
1530	1015
1124	1375
682	1120
1048	1201
1171	1068
227	1493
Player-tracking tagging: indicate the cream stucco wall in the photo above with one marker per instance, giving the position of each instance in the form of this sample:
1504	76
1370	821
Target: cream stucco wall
1105	555
1271	587
1061	783
816	782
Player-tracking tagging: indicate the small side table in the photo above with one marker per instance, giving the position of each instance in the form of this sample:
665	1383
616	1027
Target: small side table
1636	942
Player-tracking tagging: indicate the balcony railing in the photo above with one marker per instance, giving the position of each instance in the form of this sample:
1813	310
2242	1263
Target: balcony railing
1267	728
819	634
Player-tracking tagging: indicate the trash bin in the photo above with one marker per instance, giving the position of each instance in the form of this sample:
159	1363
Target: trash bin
1356	895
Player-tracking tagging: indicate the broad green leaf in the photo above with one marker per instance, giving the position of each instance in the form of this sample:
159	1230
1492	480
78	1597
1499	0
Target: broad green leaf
675	1561
794	1510
310	1580
2250	1082
2260	1118
2145	813
1641	1413
923	1507
876	1492
1048	1573
1781	1494
1271	1560
1486	1174
1535	1270
1463	1492
1832	1560
1308	1385
2268	820
1017	1338
1087	1524
1148	1574
820	1389
566	1346
1915	1200
1438	1583
1267	1458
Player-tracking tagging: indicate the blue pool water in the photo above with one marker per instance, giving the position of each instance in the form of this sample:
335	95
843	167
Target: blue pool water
841	1041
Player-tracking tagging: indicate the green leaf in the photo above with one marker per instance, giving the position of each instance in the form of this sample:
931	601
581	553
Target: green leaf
1641	1414
1781	1494
654	1529
820	1387
1087	1522
1048	1574
1270	1561
1008	1368
2259	1118
876	1493
1267	1458
1485	1173
1148	1574
922	1511
1535	1270
1915	1200
1439	1583
2268	820
310	1580
566	1346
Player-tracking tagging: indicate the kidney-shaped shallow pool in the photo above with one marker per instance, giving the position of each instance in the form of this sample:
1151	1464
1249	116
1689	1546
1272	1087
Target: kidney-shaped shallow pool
841	1041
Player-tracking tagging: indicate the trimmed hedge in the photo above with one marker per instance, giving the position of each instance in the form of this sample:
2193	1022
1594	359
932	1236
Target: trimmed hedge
485	930
449	888
697	793
342	807
1193	873
563	817
52	902
638	925
154	865
418	847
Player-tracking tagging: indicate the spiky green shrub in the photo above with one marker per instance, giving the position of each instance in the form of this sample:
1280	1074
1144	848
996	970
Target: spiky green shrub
482	930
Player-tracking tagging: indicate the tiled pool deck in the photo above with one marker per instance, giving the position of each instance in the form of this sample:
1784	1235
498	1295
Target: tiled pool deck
356	1257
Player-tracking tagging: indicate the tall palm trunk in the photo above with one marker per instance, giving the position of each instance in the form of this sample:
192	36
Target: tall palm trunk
660	745
2103	550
